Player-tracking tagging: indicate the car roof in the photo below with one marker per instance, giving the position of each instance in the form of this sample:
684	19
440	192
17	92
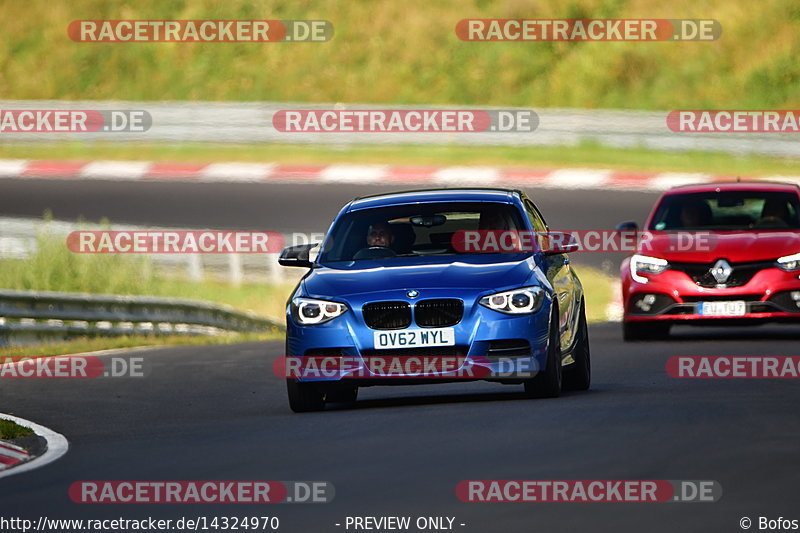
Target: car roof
766	186
475	194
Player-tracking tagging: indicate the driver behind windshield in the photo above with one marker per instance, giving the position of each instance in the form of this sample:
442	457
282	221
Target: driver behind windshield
695	214
379	239
775	212
380	234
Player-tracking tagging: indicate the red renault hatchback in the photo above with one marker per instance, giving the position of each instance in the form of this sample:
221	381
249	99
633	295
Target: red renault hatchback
717	253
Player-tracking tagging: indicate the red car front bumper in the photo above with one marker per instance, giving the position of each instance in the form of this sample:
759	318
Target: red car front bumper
674	297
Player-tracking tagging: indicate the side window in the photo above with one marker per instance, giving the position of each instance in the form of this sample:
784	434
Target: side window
535	217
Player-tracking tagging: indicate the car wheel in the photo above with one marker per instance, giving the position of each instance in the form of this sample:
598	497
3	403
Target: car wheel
547	383
643	331
578	376
305	397
342	395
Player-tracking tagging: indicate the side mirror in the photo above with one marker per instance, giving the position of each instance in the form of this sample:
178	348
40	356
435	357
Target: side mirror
628	226
297	256
559	242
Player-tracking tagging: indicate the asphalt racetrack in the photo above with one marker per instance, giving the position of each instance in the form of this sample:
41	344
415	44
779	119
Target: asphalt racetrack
281	207
218	413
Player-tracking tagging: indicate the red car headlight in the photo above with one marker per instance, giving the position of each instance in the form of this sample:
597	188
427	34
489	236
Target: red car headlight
789	263
642	264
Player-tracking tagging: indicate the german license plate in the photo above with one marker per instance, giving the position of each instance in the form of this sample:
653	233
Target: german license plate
732	308
415	338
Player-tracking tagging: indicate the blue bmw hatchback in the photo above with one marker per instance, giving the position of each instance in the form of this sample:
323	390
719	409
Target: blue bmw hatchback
391	298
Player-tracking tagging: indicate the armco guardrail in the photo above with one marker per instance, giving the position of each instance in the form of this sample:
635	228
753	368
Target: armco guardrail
34	314
18	240
251	122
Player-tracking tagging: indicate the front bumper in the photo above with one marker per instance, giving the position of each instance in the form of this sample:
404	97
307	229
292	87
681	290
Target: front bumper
673	296
488	345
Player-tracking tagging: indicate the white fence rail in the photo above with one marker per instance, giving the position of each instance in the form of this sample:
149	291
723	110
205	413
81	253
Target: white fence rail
251	122
18	240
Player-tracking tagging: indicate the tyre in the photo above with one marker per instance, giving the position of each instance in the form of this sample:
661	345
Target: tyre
644	331
342	394
578	376
305	397
547	383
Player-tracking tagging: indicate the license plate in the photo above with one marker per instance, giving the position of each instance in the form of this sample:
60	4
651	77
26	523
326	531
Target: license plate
733	308
415	338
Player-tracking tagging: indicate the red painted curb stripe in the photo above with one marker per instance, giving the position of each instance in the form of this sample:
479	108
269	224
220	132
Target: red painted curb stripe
174	170
9	461
59	169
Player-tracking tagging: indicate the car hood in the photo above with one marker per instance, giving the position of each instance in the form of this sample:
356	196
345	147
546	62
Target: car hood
735	246
385	275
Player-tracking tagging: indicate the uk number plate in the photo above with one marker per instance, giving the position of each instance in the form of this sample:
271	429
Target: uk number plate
415	338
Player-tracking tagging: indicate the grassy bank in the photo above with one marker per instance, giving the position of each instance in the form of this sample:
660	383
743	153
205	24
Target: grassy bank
83	344
598	292
12	430
407	52
54	268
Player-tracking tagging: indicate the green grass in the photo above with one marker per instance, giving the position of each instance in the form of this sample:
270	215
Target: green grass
93	344
586	155
12	430
407	52
598	290
54	268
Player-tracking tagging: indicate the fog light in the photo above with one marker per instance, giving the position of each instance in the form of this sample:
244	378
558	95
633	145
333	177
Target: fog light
796	297
646	303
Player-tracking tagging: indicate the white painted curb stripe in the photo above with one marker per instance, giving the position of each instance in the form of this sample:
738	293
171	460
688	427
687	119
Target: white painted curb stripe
8	449
578	178
57	446
615	308
236	172
566	178
471	176
668	180
353	173
11	168
122	170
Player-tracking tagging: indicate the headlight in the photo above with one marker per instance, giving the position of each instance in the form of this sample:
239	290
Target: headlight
517	302
647	265
309	311
789	262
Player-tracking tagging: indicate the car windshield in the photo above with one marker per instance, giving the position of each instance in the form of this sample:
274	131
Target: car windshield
728	211
412	230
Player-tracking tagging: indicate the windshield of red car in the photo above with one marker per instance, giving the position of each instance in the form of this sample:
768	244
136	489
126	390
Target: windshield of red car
728	211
